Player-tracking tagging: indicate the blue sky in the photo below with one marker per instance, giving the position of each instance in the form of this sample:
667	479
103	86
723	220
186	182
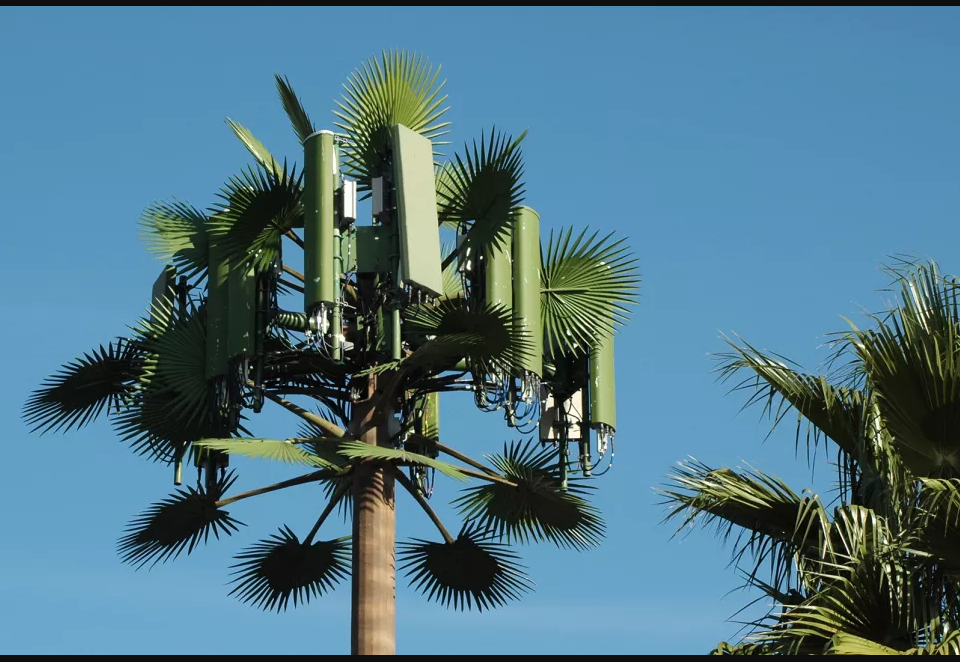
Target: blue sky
761	162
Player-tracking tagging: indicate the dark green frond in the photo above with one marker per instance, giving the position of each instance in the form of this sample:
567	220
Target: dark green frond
742	649
480	191
255	147
360	449
302	125
258	209
537	509
176	232
469	571
81	390
585	286
181	521
281	568
399	88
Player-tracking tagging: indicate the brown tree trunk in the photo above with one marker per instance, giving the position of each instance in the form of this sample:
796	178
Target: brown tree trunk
373	622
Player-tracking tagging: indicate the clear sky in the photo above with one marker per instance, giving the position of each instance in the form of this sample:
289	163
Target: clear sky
761	162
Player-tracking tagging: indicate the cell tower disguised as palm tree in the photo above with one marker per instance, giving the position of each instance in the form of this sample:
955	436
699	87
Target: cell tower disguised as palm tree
390	318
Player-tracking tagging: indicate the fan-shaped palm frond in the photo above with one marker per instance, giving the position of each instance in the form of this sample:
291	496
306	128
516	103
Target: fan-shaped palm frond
259	208
538	508
480	192
742	649
281	568
277	450
176	232
468	571
82	389
585	286
399	88
179	522
302	125
256	148
359	449
452	281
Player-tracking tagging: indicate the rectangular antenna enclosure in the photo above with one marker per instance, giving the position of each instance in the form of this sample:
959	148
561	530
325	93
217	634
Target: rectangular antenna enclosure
164	288
550	417
413	176
376	245
377	202
527	266
217	312
602	384
321	173
242	316
348	202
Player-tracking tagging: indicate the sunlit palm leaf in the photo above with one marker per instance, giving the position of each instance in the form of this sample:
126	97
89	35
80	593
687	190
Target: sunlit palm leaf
399	88
452	281
470	571
176	232
277	450
302	125
81	390
480	191
585	286
256	148
281	569
179	522
258	209
538	509
359	449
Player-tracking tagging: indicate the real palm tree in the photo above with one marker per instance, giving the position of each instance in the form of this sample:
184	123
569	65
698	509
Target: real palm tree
877	570
368	418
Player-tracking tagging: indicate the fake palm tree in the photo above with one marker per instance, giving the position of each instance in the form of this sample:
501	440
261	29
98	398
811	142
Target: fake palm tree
387	322
877	572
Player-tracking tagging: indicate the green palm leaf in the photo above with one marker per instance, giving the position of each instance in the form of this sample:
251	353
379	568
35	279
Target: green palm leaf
281	568
585	286
176	232
452	282
479	192
400	88
259	208
466	572
256	148
359	449
302	125
268	449
179	522
538	508
82	389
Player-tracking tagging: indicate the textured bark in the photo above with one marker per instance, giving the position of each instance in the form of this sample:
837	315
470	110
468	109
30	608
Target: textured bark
373	622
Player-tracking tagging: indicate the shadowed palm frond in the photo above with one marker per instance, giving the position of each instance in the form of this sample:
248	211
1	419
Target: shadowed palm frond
258	209
463	573
302	125
179	522
176	232
479	192
363	450
585	286
81	390
742	649
452	281
281	569
538	508
399	88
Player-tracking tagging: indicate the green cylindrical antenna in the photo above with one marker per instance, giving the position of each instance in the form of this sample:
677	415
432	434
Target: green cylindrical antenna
217	313
602	388
498	268
242	307
320	174
526	287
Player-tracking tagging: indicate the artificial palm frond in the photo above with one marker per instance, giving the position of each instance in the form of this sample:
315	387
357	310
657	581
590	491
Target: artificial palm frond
302	125
258	209
281	568
399	88
277	450
179	522
177	232
742	649
537	509
585	286
480	192
486	338
452	280
255	147
81	390
466	572
362	450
